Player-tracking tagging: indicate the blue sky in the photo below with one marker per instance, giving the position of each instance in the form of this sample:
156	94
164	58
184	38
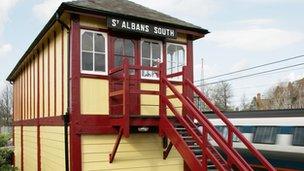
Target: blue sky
244	33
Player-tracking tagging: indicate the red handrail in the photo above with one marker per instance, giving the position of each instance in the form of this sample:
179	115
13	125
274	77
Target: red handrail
231	128
241	165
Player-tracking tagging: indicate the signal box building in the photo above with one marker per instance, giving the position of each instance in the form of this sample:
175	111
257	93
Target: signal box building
107	85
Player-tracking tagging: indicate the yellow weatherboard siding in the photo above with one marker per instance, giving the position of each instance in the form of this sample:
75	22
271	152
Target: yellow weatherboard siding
17	149
94	95
52	148
175	102
30	148
139	152
93	22
149	104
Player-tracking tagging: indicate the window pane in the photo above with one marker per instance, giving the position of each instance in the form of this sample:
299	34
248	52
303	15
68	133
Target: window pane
175	58
87	61
87	41
129	48
99	43
298	136
118	60
118	46
264	134
146	49
100	62
146	62
155	63
155	51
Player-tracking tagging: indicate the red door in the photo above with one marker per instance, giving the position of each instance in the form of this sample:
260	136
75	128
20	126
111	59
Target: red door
124	48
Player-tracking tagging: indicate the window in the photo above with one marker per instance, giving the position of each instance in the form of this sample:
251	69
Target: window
298	136
151	56
176	58
265	134
124	48
93	52
224	132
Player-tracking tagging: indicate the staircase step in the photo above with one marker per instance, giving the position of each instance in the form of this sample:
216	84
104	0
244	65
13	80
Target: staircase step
197	152
187	137
193	146
180	129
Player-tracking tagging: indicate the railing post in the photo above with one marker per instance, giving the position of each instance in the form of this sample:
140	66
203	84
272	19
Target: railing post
162	93
204	150
126	99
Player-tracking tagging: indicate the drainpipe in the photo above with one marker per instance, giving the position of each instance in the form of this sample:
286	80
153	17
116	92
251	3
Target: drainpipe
65	117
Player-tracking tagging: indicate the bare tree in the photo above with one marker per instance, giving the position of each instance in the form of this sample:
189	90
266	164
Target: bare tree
244	103
6	102
221	95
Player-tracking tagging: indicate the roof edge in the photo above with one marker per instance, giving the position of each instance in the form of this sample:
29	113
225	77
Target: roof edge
73	7
67	6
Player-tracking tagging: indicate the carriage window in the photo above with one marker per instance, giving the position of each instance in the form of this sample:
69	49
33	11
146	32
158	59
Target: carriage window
224	132
124	48
265	134
150	57
298	136
93	52
176	58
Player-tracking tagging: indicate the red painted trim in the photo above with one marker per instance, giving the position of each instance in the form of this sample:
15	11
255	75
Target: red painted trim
49	79
75	143
38	115
30	88
104	77
55	76
49	121
62	70
27	93
94	29
22	150
43	94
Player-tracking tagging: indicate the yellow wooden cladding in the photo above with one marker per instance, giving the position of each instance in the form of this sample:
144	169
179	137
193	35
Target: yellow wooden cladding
52	148
17	148
51	74
175	102
52	79
139	152
30	148
181	38
94	96
149	104
91	22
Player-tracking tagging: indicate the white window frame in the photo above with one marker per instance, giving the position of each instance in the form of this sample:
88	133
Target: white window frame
185	60
161	56
105	35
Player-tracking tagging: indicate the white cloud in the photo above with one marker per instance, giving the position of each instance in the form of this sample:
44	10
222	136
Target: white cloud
256	39
4	49
5	7
185	9
46	8
242	64
257	21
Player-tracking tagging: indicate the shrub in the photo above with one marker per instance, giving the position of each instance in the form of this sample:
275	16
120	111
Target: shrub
4	138
6	154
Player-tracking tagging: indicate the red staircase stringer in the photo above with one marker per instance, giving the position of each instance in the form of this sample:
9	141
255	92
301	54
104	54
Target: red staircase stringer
180	144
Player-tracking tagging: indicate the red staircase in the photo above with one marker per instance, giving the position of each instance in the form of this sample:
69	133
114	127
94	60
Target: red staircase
200	144
200	148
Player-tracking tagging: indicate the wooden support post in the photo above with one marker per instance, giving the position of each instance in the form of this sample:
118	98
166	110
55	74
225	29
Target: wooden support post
126	98
117	142
162	93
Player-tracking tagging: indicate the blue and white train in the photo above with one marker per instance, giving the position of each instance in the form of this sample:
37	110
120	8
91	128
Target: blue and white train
278	134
